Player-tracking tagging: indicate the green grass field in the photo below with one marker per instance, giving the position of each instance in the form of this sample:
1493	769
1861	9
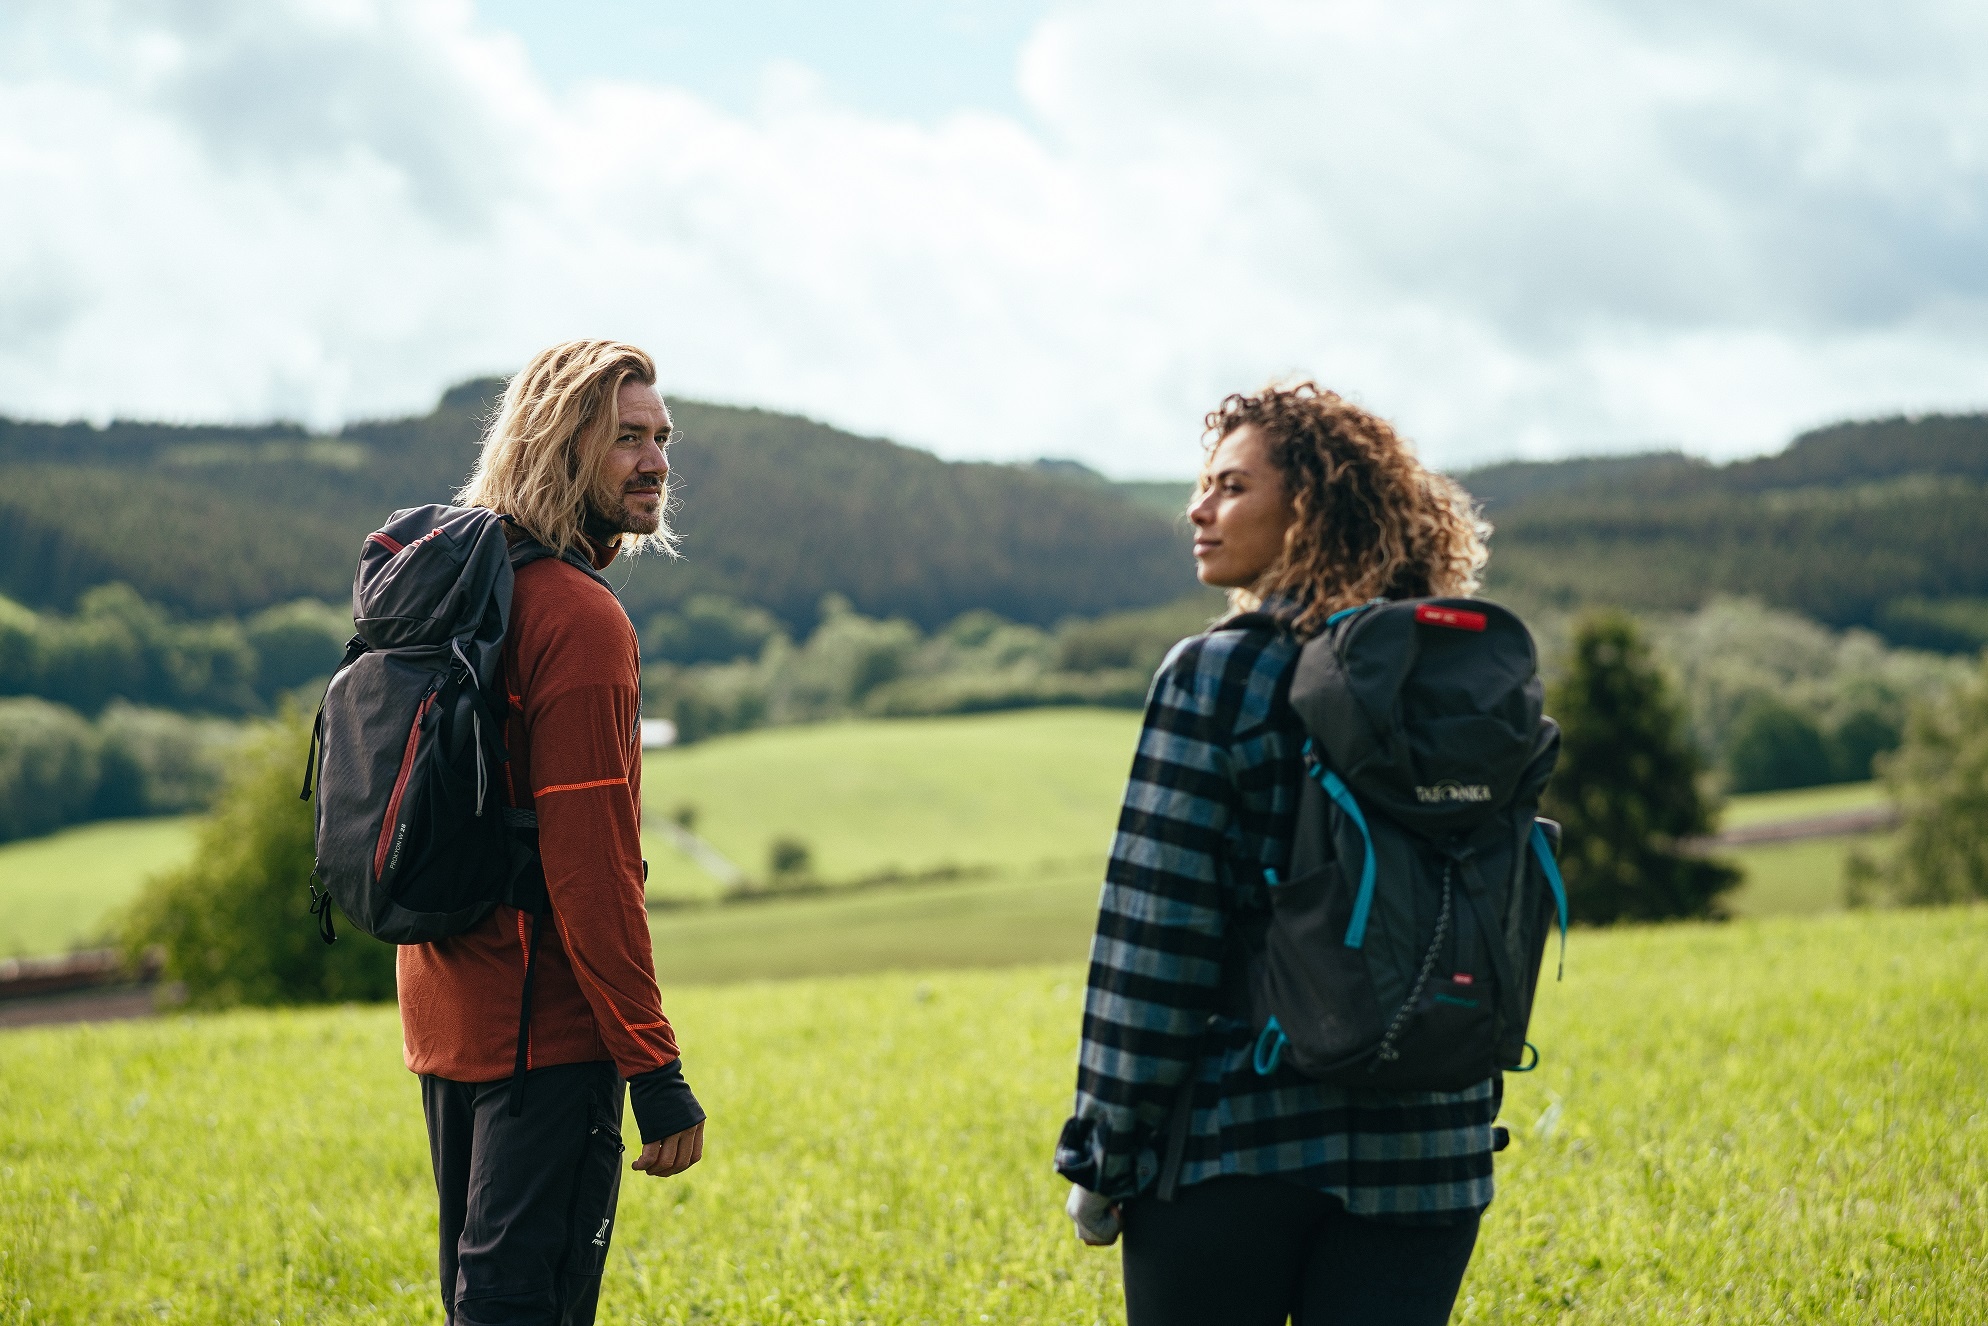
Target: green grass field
1801	878
1760	1122
1032	918
999	792
1048	917
1800	804
57	892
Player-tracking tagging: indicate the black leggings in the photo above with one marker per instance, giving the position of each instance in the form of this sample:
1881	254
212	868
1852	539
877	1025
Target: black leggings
1248	1251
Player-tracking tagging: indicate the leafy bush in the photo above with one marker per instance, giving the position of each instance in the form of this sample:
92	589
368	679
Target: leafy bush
296	643
979	693
857	665
57	768
118	646
1939	780
1626	790
235	921
709	628
1762	688
48	767
789	858
155	762
1773	746
847	657
1859	740
20	649
1949	625
1137	640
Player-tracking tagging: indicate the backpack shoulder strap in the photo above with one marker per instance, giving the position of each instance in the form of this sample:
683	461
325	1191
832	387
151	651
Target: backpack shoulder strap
1253	621
526	550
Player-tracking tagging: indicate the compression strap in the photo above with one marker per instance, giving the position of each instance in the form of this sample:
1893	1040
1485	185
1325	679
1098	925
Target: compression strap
1544	851
1363	901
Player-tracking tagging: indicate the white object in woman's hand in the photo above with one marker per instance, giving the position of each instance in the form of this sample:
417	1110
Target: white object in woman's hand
1095	1217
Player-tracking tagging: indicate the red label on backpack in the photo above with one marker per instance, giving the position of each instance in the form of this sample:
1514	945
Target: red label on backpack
1432	615
1463	978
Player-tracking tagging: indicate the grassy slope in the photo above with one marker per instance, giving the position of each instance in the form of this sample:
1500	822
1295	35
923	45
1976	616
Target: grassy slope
57	892
1797	1138
1800	878
981	923
1805	877
1004	792
1800	804
1027	798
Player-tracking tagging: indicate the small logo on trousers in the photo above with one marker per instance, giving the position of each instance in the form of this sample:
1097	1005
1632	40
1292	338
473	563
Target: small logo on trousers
600	1235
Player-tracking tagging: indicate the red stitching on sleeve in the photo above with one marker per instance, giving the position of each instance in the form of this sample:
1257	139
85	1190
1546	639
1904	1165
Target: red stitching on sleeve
580	787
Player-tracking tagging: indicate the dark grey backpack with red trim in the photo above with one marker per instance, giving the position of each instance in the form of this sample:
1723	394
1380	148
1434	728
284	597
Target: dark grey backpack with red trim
1403	948
414	839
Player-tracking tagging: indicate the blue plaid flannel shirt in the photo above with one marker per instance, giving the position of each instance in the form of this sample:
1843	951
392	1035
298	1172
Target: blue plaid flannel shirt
1212	801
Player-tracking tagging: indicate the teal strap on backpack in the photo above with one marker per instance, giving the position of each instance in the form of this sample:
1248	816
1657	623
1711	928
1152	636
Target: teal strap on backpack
1269	1048
1363	901
1544	851
1344	613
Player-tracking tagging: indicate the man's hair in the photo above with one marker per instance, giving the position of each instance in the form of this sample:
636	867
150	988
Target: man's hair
1368	519
541	458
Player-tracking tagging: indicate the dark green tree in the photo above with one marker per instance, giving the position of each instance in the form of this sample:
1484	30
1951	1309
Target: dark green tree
1939	779
710	628
1626	791
1774	746
49	767
235	921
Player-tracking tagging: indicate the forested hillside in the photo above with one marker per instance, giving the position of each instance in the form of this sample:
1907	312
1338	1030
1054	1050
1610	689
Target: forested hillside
1882	525
1879	524
774	510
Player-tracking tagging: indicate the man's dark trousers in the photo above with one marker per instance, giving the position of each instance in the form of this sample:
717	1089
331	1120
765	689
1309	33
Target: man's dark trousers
527	1202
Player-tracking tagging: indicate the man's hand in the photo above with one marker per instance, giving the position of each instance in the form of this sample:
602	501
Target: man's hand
672	1155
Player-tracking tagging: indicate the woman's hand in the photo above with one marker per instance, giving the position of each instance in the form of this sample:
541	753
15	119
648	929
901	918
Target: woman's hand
1095	1217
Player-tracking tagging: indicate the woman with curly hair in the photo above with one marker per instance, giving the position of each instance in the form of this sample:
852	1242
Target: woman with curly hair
1283	1198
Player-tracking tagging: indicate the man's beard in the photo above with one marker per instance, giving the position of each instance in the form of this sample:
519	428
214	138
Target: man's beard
608	519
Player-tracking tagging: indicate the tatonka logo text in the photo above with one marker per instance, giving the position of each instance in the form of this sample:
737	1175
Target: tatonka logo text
1452	791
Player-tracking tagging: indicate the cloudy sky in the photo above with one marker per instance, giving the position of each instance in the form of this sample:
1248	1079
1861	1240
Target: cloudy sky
1004	230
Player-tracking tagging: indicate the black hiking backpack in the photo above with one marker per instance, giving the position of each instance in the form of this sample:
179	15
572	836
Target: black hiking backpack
1403	949
413	839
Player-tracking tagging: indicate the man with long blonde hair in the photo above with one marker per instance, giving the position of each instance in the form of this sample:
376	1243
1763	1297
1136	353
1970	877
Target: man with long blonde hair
575	458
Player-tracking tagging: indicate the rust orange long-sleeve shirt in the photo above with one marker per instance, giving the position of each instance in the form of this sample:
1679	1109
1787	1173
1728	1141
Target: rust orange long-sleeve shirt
574	672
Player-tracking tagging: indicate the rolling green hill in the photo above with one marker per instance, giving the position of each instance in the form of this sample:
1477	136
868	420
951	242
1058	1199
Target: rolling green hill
1013	792
1881	525
774	510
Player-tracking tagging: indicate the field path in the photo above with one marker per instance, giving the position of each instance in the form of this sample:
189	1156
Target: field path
1869	819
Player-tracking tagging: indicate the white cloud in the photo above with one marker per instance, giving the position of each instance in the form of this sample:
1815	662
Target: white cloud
1540	227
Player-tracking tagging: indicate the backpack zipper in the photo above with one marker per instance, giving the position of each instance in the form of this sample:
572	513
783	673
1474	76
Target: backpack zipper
382	861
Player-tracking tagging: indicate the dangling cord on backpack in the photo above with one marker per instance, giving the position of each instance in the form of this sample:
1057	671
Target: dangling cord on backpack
476	725
1387	1053
321	908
